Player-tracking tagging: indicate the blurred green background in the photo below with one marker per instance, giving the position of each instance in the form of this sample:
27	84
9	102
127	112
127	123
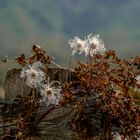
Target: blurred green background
51	23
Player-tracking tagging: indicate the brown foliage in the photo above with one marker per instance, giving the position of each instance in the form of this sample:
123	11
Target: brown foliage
102	96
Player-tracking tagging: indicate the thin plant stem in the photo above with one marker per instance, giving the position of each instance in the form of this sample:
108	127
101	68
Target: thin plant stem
56	65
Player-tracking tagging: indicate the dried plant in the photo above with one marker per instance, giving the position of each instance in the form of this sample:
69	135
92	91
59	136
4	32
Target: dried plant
102	96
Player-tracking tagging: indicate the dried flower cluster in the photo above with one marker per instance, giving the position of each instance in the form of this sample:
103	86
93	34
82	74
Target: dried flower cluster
42	91
36	78
90	46
102	96
38	54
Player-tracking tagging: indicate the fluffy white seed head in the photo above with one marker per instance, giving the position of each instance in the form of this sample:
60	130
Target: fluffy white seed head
33	75
50	93
77	45
94	45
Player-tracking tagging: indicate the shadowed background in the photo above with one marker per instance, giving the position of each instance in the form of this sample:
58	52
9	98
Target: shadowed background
51	23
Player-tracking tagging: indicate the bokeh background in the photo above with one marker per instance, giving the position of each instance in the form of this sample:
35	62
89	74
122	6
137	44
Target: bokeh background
51	23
